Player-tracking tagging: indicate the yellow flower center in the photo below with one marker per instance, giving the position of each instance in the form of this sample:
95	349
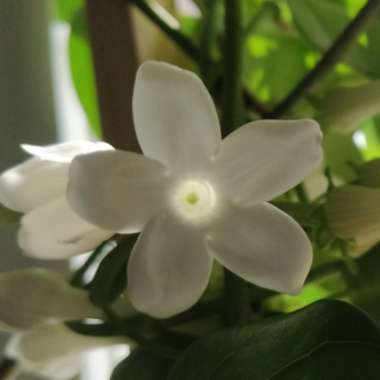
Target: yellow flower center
192	198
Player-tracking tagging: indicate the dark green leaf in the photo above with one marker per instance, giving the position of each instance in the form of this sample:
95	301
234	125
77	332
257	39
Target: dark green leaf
8	216
111	277
328	340
365	286
142	365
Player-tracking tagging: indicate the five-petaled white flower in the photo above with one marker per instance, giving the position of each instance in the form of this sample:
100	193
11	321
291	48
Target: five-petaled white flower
36	187
196	197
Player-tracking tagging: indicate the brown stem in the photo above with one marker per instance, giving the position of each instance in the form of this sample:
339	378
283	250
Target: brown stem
115	61
332	56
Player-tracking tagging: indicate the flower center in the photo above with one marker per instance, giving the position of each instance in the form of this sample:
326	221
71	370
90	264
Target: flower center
194	200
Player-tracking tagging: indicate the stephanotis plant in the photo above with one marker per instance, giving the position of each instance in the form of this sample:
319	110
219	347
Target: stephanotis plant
196	198
209	247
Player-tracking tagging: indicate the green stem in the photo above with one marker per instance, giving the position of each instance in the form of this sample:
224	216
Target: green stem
301	193
232	66
77	278
207	37
328	269
237	294
237	299
167	23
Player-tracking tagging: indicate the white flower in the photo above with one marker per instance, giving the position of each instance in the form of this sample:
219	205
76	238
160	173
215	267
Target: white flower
196	198
54	351
49	228
33	304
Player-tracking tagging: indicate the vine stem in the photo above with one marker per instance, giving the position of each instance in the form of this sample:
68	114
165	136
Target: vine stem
329	59
237	293
167	23
170	26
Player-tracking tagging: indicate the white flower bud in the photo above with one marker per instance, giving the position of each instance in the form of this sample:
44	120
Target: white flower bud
353	212
345	108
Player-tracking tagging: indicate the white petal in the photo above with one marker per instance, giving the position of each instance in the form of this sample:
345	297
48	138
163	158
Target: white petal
65	152
263	159
263	245
169	268
32	183
175	117
54	231
31	297
116	190
43	177
54	350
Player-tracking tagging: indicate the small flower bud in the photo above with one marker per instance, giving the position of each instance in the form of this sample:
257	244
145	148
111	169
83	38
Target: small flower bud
345	108
353	212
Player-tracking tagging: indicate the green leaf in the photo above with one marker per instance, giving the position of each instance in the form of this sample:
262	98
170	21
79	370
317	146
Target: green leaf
328	340
82	70
371	130
142	364
8	216
273	66
365	286
320	22
111	277
65	9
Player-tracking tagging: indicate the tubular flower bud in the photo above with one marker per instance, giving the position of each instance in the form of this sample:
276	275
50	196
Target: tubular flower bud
353	213
345	108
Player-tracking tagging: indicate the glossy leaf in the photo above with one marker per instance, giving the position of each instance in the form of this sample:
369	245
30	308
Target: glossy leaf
365	285
142	365
328	340
111	277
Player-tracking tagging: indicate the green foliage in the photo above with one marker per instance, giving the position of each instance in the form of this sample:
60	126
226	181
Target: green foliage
82	70
364	288
321	21
65	9
8	216
329	340
142	364
274	65
341	155
111	276
283	41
